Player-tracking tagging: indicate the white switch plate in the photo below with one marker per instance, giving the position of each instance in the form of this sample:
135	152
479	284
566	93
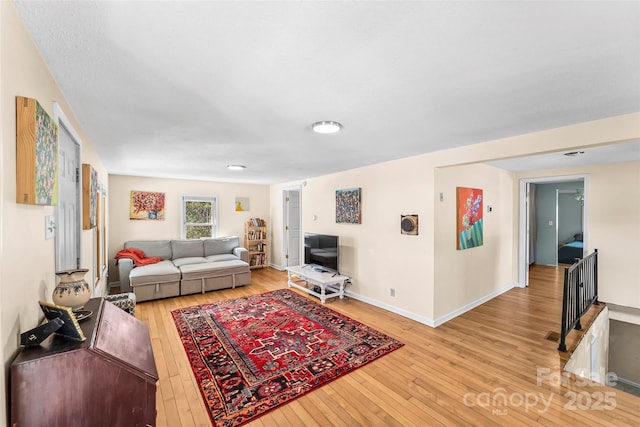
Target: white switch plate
49	227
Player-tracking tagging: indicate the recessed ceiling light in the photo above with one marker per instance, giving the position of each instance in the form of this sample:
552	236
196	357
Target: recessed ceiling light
574	153
236	167
326	126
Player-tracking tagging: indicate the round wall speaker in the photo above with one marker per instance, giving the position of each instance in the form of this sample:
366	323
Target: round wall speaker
409	224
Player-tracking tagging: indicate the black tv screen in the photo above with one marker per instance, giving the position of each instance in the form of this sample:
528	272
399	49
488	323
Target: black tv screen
321	251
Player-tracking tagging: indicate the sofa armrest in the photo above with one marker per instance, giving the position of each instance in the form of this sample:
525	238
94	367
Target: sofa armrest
241	253
125	265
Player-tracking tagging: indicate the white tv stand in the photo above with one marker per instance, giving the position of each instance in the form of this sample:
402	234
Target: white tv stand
306	277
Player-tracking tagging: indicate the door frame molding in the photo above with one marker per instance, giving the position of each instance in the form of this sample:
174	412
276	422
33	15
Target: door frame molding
62	120
285	222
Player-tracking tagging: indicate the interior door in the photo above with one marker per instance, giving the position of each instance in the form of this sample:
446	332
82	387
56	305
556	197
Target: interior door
292	227
68	218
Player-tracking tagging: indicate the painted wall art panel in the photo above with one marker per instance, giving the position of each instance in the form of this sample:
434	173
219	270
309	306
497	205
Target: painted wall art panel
348	206
146	205
36	154
89	196
469	218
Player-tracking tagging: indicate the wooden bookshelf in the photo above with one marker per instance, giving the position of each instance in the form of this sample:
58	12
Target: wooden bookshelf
256	240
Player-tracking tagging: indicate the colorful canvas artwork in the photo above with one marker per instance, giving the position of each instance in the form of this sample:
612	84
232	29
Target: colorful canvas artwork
46	158
469	218
89	196
348	206
36	154
146	205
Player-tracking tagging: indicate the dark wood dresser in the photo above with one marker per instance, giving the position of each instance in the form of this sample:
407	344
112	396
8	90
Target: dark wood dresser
107	380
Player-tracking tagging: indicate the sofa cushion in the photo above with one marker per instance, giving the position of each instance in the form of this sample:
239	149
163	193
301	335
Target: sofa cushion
161	272
221	257
220	245
152	248
189	260
187	248
211	269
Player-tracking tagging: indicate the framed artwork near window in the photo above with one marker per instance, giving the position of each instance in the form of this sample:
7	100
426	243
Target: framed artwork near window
146	205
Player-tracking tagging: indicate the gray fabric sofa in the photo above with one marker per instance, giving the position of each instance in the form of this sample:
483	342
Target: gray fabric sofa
188	267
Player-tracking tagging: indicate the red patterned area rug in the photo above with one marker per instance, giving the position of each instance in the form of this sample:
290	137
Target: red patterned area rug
253	354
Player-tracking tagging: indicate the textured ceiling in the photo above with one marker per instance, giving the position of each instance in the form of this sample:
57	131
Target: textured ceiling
182	89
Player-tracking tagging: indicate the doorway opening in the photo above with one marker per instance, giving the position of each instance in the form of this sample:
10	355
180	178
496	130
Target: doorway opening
539	231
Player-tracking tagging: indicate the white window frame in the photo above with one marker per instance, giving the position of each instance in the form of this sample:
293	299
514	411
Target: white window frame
214	214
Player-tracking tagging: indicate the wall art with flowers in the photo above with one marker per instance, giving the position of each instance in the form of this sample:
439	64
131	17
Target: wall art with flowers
469	217
146	205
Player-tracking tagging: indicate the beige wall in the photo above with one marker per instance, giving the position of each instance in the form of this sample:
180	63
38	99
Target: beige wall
230	222
481	271
27	259
432	280
612	226
374	253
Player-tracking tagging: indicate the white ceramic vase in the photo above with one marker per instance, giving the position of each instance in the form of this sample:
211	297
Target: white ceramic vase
72	290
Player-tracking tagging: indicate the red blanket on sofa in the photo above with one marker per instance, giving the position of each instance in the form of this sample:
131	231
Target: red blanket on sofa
138	257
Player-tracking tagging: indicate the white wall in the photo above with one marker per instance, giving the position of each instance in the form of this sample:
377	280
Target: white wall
230	222
27	259
378	257
374	253
482	271
611	226
594	341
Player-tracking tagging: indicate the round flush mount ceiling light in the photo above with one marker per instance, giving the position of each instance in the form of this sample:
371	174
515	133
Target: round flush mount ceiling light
326	126
236	167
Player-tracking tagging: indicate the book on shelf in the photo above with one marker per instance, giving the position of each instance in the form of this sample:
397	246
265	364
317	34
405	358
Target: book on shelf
256	235
256	222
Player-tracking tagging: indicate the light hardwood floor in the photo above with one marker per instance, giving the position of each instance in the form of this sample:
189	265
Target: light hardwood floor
457	374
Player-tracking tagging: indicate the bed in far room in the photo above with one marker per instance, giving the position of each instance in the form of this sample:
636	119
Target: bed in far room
568	252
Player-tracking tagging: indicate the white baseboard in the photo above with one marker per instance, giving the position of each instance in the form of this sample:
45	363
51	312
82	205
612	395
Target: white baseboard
425	320
455	313
421	319
396	310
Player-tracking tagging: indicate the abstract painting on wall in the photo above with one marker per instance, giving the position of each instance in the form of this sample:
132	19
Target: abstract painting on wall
36	154
89	196
146	205
468	217
348	206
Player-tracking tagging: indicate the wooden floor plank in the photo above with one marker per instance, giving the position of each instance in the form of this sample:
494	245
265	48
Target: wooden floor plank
439	377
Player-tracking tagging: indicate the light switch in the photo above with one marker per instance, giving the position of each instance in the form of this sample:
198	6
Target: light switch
550	222
49	227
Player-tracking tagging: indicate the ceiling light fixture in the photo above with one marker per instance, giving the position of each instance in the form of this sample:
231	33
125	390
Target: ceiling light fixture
326	126
236	167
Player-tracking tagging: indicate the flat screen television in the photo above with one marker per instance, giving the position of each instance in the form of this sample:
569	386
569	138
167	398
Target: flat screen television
321	251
